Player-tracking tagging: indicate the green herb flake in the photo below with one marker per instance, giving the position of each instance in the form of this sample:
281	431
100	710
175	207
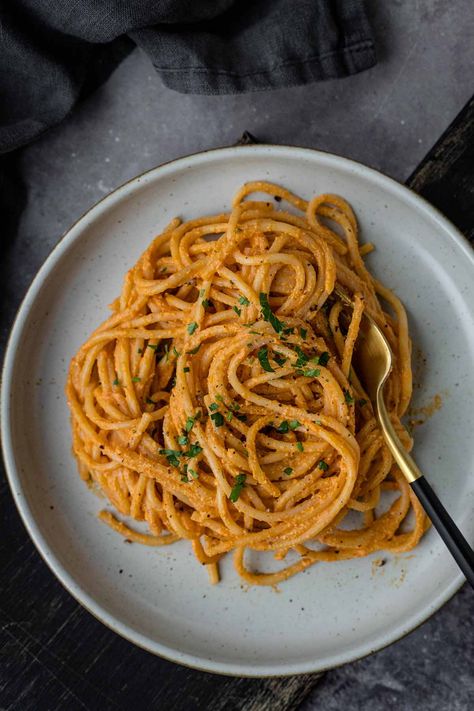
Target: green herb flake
172	455
185	479
213	406
153	346
194	350
116	382
206	303
190	423
294	424
362	402
240	416
186	370
302	357
243	301
299	446
202	292
288	471
312	372
323	465
280	359
139	350
229	416
237	310
193	451
176	352
323	358
219	398
303	333
348	397
183	440
262	356
193	473
218	419
136	380
268	315
237	488
283	427
192	327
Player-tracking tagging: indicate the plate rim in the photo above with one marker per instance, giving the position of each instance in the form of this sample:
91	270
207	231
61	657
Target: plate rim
100	612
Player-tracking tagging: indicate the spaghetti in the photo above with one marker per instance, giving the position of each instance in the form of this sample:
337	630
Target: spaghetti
218	403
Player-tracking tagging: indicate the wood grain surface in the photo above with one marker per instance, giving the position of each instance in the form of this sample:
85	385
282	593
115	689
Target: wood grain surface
54	655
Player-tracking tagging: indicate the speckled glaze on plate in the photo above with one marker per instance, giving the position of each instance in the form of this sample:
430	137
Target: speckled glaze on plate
161	599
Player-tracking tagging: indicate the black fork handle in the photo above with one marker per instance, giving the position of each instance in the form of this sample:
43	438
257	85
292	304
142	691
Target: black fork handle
447	529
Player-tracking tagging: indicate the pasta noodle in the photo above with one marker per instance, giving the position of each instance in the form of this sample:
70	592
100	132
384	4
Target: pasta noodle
218	403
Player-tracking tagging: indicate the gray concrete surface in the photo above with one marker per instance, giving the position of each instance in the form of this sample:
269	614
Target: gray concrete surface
387	117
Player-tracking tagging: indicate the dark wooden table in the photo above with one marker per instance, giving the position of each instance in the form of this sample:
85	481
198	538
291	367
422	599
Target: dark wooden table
55	655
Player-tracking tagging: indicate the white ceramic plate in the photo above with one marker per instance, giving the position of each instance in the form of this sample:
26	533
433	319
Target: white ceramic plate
161	599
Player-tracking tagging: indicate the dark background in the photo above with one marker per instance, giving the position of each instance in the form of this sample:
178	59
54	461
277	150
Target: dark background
53	654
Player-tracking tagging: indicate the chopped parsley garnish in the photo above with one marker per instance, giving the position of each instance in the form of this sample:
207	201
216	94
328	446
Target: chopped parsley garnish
193	473
139	350
217	418
186	370
176	352
262	356
303	333
288	471
289	330
283	427
202	292
348	397
323	465
192	327
268	314
244	301
237	488
294	424
172	455
240	416
229	416
193	451
312	372
280	359
206	303
219	398
237	310
194	350
302	357
323	358
190	423
153	346
362	402
213	406
116	382
185	479
299	446
182	440
234	406
136	380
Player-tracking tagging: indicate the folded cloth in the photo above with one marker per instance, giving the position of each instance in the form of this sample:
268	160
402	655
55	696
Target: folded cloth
52	53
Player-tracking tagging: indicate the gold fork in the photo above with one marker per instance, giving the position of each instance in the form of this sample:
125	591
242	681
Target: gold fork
372	362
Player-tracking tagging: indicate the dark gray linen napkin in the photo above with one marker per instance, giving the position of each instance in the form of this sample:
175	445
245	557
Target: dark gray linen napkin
52	53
